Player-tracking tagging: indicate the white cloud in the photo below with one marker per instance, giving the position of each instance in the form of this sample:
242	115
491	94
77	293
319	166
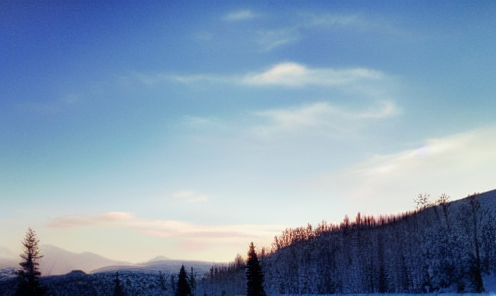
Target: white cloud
458	165
191	196
301	24
239	15
294	75
287	74
270	39
319	116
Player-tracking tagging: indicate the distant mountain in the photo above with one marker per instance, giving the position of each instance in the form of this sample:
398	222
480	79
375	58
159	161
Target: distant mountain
9	263
159	264
57	261
8	259
158	258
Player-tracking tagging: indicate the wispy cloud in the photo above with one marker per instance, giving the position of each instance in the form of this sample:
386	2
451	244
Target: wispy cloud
461	163
295	75
333	20
270	39
191	196
239	15
357	22
301	24
286	74
50	107
89	220
169	228
320	116
461	151
178	229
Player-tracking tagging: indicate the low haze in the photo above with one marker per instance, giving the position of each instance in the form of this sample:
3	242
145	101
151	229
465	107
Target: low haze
188	129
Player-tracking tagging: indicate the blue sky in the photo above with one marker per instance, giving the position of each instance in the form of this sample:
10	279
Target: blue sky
188	129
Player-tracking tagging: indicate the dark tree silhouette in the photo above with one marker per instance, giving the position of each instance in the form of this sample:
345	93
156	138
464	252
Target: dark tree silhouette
476	270
183	288
161	281
28	276
254	274
117	287
192	281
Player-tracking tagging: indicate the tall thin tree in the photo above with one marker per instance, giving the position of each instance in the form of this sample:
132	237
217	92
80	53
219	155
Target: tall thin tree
192	281
29	274
183	288
254	274
117	286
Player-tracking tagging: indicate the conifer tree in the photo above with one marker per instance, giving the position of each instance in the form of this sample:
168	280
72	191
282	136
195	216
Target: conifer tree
161	281
183	288
254	274
117	288
28	276
476	270
192	281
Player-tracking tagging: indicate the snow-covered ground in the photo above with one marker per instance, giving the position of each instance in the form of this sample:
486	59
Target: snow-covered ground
398	294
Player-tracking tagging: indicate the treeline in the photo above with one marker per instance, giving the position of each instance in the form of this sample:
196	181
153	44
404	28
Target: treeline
439	246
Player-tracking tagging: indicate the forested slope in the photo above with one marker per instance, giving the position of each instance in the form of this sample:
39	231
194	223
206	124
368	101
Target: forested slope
441	246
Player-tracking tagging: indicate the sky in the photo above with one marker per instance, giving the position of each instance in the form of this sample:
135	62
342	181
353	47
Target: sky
188	129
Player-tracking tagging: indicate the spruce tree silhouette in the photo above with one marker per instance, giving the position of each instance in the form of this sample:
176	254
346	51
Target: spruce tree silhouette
28	276
254	274
183	288
192	281
117	288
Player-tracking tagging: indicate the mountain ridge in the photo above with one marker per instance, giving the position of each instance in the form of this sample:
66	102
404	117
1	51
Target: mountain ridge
58	261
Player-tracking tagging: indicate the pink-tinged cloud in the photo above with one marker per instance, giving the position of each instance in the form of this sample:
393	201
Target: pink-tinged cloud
178	229
89	220
169	228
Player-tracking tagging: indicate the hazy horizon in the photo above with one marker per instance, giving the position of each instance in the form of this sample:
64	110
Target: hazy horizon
189	129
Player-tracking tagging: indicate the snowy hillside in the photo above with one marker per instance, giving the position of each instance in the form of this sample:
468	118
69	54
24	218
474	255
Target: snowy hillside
157	264
445	247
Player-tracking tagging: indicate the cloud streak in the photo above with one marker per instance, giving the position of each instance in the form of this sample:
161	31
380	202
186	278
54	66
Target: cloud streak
320	116
286	74
302	24
461	163
183	230
271	39
89	220
296	75
170	229
239	15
